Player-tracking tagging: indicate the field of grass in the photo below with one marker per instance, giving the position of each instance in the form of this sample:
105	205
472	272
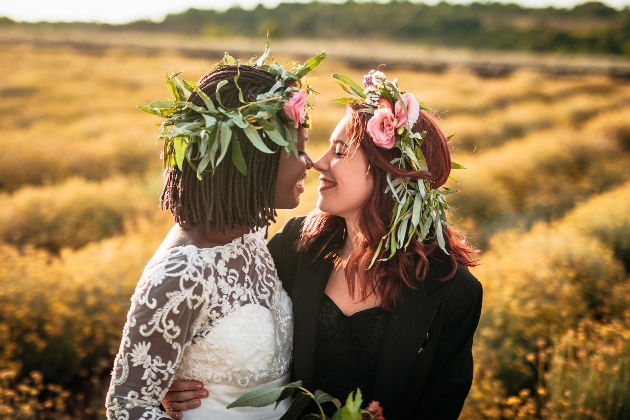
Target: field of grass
546	196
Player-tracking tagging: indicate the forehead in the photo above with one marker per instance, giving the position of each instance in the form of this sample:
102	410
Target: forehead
340	132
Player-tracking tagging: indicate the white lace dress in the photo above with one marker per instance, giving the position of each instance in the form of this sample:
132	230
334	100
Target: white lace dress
216	315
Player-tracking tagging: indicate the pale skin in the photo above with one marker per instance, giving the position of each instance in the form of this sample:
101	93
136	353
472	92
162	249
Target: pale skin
344	186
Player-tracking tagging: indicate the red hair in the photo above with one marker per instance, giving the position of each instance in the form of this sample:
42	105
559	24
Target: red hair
406	267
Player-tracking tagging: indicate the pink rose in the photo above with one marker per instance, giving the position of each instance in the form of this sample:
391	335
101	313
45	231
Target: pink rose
295	108
413	110
381	128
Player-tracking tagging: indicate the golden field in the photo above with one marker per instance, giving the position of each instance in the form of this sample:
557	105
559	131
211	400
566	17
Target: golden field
546	196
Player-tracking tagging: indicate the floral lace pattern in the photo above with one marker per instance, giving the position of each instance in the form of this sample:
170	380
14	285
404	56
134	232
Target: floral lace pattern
216	315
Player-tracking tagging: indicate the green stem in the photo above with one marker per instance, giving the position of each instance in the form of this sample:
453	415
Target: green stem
321	410
259	102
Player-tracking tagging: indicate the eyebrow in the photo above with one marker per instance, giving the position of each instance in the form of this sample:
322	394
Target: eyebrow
343	143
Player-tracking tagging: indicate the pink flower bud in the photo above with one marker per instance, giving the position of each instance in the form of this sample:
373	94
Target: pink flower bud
413	111
295	108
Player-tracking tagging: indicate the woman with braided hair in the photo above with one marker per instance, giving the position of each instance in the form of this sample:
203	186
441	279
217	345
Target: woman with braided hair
209	305
382	297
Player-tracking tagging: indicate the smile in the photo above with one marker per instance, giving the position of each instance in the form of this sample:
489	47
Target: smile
325	184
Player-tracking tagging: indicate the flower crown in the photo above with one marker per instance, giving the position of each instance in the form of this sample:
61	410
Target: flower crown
277	114
418	207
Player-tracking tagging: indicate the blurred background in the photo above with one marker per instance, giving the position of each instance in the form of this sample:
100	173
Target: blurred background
537	95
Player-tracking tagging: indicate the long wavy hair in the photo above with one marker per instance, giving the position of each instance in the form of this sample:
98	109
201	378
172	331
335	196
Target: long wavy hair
407	267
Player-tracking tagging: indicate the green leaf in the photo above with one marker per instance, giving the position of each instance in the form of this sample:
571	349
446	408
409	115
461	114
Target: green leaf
450	136
257	398
161	104
344	101
311	64
210	120
228	59
218	95
286	393
263	58
297	405
417	209
354	86
237	157
352	409
276	137
254	137
240	92
206	99
179	144
456	166
321	397
225	134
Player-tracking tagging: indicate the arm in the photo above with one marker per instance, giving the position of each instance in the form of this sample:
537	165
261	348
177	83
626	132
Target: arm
184	395
451	374
160	325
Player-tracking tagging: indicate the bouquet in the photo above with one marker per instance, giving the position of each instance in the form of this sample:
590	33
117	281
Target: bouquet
350	411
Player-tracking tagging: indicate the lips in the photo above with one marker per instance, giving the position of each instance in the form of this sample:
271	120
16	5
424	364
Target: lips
326	184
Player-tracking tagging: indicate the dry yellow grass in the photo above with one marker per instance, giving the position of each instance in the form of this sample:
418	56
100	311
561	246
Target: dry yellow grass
534	147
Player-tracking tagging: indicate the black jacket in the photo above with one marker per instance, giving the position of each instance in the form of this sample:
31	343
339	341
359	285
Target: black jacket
426	366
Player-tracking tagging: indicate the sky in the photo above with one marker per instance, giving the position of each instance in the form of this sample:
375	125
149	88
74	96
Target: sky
123	11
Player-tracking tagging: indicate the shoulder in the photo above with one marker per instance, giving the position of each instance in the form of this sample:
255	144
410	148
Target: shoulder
461	292
286	239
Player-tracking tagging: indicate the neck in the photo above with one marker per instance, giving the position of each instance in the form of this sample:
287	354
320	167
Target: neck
352	234
212	237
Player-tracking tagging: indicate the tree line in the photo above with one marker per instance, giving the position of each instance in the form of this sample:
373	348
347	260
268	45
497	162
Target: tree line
591	27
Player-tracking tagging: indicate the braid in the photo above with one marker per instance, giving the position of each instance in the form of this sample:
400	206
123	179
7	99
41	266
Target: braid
226	199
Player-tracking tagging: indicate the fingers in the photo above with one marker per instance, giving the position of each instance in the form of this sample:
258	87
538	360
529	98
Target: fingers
173	414
185	386
175	401
185	405
183	396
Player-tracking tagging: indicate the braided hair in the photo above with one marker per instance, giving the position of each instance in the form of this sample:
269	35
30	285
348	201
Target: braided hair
227	199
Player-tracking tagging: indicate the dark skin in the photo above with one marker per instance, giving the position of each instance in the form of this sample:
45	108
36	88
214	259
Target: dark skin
289	185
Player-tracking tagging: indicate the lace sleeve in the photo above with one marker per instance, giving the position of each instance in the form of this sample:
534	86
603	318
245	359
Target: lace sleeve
164	315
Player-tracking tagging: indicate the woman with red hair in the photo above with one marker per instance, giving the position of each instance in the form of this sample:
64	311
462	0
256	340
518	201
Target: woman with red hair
382	296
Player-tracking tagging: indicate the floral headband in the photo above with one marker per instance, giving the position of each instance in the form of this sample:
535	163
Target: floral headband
276	114
420	211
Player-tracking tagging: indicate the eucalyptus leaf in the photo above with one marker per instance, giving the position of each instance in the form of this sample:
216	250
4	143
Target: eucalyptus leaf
344	101
263	58
311	64
225	134
254	137
218	94
206	99
276	137
350	83
240	92
455	165
257	398
179	147
298	404
237	158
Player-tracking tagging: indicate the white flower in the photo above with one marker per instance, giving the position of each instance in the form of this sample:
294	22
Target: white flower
395	83
379	79
372	95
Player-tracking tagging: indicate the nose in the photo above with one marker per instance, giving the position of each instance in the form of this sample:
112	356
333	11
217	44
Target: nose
309	162
320	164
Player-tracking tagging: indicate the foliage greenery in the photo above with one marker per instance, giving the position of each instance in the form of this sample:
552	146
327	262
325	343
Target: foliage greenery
591	27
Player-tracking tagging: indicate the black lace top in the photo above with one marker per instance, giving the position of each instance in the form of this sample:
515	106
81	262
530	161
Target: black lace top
348	350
